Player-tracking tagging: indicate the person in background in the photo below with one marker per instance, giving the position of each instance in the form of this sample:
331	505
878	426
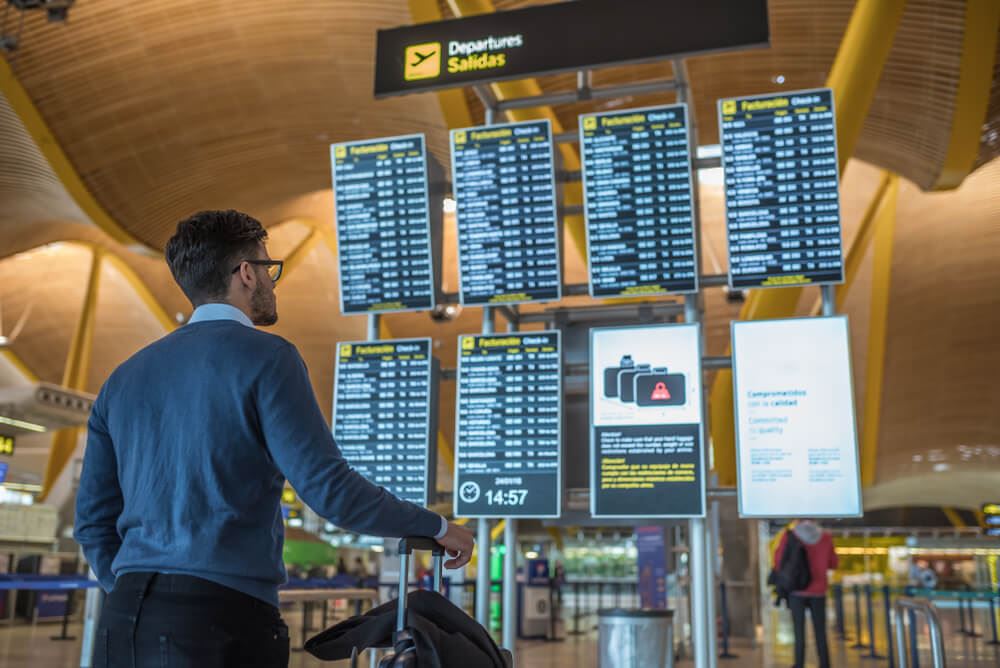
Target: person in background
818	545
341	566
359	571
189	444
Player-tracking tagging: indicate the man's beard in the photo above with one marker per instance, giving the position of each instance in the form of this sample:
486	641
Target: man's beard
264	310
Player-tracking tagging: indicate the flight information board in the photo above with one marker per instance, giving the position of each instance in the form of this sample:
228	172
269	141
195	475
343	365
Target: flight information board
508	236
779	153
387	229
646	454
384	413
638	202
508	425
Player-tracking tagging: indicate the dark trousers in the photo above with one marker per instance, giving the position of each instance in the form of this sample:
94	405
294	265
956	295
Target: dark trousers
152	620
817	610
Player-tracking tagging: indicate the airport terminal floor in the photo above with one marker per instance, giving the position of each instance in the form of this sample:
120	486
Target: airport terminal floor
653	314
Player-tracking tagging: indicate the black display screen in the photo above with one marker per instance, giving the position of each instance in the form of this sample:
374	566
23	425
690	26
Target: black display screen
384	402
503	180
637	189
385	225
508	426
782	189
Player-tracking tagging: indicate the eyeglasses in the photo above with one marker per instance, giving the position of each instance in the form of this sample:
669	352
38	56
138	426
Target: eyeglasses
274	267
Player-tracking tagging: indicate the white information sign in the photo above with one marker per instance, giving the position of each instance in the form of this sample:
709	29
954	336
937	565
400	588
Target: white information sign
796	441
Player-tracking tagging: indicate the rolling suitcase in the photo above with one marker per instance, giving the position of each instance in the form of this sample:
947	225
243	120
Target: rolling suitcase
403	651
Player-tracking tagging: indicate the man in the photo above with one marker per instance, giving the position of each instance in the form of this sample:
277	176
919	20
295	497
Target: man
821	557
189	444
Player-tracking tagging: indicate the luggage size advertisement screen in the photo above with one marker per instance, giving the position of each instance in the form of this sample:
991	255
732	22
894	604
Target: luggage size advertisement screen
796	443
645	415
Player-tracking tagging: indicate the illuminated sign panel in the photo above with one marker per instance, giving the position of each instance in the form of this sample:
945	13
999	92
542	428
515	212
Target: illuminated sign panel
508	236
6	445
779	153
508	426
646	437
387	230
384	413
559	37
796	442
639	204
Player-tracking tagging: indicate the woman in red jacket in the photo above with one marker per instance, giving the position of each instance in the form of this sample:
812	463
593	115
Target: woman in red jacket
818	545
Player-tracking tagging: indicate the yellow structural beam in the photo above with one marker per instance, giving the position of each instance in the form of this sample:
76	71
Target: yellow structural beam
854	78
859	246
979	48
878	320
296	256
50	147
75	373
556	534
857	68
497	530
953	517
504	90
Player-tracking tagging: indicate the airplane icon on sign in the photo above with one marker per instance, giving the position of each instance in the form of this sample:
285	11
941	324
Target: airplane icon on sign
420	57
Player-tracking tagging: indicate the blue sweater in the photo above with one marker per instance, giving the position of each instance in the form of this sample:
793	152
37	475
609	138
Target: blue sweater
188	448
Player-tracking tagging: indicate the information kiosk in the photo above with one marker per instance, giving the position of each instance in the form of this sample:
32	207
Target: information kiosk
508	235
385	413
779	155
646	422
639	203
508	425
388	230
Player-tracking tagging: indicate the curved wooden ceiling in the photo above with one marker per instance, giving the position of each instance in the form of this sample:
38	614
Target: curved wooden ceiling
169	106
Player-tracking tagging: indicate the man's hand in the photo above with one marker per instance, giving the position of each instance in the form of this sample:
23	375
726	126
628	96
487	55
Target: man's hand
458	543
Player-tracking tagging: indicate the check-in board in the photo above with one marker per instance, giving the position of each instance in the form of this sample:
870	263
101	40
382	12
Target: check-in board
779	154
638	202
387	228
796	442
508	425
646	436
384	413
504	186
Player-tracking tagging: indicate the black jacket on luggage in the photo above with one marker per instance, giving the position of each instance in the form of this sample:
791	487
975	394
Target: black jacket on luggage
444	635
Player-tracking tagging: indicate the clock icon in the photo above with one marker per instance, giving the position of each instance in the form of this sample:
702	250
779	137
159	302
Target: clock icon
469	492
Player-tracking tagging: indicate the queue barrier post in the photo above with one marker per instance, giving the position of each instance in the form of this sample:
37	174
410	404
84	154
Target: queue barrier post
887	596
993	618
724	609
838	611
914	648
972	616
858	644
873	653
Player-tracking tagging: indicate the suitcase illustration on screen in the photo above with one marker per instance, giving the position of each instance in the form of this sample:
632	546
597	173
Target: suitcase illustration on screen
626	388
611	376
659	388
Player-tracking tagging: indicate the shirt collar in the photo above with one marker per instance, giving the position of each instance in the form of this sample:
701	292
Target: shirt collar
219	312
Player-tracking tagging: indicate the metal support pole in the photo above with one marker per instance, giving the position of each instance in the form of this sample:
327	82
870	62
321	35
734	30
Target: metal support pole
829	296
510	585
483	573
858	644
914	647
373	326
838	611
92	604
887	596
873	653
993	620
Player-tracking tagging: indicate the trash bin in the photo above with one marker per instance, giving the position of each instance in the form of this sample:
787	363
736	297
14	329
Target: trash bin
635	638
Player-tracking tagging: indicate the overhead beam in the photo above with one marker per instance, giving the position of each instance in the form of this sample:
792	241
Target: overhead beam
50	147
878	321
75	373
854	79
954	517
15	360
972	97
859	246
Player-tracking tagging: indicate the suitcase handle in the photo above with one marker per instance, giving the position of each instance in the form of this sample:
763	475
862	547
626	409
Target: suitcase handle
407	545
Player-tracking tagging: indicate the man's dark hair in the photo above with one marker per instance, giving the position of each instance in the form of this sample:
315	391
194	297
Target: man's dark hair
206	247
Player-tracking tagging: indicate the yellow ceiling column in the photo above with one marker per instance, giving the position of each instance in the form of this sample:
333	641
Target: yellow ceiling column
979	47
75	373
885	230
854	78
19	364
